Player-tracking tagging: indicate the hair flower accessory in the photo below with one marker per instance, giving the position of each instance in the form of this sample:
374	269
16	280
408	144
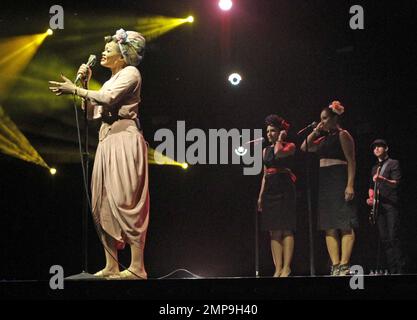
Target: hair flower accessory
131	44
121	36
337	107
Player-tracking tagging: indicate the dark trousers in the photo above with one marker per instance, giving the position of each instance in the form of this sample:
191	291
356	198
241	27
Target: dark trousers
389	230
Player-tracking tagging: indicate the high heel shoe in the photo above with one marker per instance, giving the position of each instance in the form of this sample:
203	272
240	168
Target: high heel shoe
344	270
277	274
284	274
335	270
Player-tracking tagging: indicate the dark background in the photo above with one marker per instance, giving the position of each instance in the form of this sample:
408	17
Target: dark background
295	58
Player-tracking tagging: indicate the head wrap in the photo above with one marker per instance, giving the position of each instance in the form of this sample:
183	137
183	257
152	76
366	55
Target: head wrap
131	45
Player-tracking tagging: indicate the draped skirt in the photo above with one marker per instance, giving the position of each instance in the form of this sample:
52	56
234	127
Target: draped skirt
120	195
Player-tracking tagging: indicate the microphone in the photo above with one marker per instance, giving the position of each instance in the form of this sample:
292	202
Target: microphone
256	140
90	63
311	125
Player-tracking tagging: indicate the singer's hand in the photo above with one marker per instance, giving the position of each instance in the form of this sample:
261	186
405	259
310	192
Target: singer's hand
349	193
379	178
282	135
370	201
319	128
259	204
85	72
59	88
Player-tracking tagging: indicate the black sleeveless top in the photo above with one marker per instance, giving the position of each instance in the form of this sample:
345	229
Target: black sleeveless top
271	161
330	147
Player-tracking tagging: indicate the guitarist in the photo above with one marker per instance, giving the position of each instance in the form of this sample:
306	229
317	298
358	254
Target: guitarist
388	205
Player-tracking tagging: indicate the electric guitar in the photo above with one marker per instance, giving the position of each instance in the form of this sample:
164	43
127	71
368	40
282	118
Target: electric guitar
373	215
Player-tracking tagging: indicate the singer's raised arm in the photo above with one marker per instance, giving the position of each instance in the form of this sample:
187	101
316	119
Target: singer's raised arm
312	142
283	150
120	89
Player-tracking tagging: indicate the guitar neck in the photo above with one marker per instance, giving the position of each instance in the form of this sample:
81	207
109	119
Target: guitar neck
378	171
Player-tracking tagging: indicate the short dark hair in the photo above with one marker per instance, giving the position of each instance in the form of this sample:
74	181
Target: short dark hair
379	143
277	122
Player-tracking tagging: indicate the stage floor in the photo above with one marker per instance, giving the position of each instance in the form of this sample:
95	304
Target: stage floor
293	288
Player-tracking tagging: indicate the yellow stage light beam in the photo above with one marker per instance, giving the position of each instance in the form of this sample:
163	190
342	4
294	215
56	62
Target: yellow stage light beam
156	26
15	144
16	53
31	97
157	158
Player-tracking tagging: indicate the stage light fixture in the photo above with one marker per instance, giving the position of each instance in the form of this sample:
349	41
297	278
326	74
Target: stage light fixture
225	5
235	79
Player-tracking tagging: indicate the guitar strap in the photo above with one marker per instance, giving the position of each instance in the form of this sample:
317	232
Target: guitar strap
384	166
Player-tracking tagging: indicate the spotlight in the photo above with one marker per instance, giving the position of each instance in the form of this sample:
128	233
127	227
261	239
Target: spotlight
235	79
49	32
190	19
184	165
52	171
225	5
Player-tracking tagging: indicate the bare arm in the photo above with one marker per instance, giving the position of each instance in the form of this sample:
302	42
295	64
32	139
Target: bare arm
348	146
262	187
283	150
395	176
86	103
263	178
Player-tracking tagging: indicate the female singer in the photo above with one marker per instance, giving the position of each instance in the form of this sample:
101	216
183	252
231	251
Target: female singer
277	195
337	212
120	196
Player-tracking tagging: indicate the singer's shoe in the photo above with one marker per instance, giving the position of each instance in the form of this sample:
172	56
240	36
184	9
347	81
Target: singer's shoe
285	273
104	274
277	274
344	269
128	275
335	270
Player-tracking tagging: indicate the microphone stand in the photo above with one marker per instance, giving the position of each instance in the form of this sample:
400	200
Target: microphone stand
84	275
256	241
310	211
87	207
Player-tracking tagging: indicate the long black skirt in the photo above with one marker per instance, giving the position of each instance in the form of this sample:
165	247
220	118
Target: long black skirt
334	212
278	203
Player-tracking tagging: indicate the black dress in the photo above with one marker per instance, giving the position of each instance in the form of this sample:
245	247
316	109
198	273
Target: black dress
278	199
334	212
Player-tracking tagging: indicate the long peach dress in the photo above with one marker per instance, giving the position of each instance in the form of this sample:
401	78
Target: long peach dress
120	194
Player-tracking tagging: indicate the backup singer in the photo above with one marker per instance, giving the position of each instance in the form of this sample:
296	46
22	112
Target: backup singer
336	209
277	195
